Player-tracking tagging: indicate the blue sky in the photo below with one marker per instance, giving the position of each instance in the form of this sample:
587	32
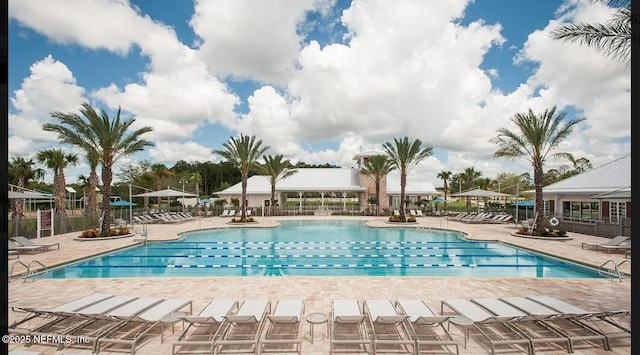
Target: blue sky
318	81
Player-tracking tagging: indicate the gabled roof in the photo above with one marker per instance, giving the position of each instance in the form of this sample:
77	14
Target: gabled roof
305	179
610	177
413	186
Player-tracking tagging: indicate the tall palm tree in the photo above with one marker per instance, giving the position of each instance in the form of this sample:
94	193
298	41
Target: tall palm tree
445	175
469	176
160	172
277	169
243	152
91	206
378	166
536	138
57	160
612	38
196	178
404	156
109	137
20	172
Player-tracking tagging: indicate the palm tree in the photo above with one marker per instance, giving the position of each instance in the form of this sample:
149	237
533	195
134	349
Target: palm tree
243	152
277	170
21	171
91	206
57	160
612	38
160	172
378	166
536	138
196	178
469	176
404	156
445	175
109	137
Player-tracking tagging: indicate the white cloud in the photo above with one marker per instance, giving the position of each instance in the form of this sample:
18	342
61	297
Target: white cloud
169	153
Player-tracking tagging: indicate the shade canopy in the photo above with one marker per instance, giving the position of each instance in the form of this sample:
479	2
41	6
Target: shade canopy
437	200
122	203
166	193
526	203
480	193
29	195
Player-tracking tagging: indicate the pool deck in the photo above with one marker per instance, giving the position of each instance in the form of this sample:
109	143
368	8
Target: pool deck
317	292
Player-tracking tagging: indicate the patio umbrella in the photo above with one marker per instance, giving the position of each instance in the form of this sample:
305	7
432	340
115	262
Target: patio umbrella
526	204
168	193
121	203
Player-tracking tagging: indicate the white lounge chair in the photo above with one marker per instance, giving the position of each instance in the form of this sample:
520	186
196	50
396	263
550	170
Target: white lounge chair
283	332
224	213
244	327
493	328
428	328
135	330
347	328
531	326
388	327
563	323
419	213
603	322
20	248
413	213
203	330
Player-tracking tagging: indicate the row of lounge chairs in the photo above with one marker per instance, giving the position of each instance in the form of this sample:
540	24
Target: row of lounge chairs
482	218
166	217
98	321
233	213
374	325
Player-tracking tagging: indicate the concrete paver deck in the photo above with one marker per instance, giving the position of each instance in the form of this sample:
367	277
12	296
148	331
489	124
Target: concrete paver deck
592	294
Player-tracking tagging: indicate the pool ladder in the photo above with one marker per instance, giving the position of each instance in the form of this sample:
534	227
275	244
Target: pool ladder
612	273
27	276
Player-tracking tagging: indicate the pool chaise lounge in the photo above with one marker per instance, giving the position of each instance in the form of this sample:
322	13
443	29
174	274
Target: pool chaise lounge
136	330
28	243
347	328
495	329
17	248
203	329
389	329
613	242
243	328
564	323
428	329
532	327
284	325
602	322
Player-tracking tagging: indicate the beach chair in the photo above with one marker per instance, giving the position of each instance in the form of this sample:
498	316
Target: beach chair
133	331
616	241
389	329
562	322
531	326
495	329
243	329
396	212
26	249
624	247
413	213
602	322
419	213
224	213
203	329
428	328
282	335
28	243
347	328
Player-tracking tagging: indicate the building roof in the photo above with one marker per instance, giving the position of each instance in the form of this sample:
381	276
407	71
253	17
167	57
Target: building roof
611	177
413	187
305	179
327	179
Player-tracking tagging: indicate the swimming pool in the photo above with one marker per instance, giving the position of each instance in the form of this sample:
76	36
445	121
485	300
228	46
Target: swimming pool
323	248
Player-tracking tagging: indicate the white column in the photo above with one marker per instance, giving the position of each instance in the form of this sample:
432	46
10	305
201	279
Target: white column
344	200
322	199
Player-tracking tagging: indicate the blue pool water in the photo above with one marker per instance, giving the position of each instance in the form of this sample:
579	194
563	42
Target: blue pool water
323	248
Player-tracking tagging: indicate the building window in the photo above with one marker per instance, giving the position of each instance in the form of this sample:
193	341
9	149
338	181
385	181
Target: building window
395	201
581	211
617	211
